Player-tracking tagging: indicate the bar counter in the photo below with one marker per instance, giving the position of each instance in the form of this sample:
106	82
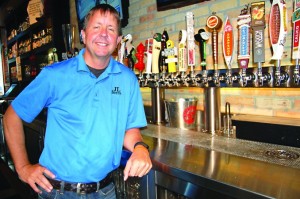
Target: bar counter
231	167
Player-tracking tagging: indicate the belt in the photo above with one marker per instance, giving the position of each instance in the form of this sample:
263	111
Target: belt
81	188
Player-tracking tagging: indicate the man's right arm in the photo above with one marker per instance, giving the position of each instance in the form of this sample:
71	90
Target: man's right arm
15	139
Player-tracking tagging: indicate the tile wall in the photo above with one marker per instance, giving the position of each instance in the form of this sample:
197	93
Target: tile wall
145	20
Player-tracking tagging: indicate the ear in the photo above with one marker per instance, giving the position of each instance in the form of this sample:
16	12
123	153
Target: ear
119	39
82	33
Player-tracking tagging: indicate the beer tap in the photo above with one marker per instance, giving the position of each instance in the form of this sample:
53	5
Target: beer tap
163	66
258	39
156	48
296	46
130	51
121	52
202	37
171	53
228	45
140	65
190	79
214	23
162	58
244	44
148	53
278	32
182	57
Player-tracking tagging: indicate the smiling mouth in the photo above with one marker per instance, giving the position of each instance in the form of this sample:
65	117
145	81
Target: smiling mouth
101	44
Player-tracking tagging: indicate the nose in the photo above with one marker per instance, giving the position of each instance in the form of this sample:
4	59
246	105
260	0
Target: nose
103	31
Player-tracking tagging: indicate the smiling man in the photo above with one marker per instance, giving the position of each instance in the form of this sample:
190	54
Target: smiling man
94	110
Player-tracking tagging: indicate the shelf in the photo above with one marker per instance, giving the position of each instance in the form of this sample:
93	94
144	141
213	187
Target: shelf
26	32
38	50
46	29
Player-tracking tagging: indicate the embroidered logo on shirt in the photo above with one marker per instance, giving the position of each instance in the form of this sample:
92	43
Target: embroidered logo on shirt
116	91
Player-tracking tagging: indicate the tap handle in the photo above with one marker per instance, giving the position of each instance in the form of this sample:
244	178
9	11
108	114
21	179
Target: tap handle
244	20
140	65
182	54
148	52
258	26
214	23
228	43
156	49
190	40
202	37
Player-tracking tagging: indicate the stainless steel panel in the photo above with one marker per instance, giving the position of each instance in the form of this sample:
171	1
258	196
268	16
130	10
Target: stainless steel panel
212	111
227	166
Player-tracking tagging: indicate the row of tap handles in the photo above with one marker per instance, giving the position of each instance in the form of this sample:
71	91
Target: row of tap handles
252	77
168	66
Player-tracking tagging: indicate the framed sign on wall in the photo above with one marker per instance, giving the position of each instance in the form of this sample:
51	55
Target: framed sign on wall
171	4
84	6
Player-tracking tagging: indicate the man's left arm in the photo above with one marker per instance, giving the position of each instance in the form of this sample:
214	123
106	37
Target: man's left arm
139	163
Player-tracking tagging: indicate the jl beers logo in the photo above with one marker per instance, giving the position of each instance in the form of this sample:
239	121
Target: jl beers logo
116	91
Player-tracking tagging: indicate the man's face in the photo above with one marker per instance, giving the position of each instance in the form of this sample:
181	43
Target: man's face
101	35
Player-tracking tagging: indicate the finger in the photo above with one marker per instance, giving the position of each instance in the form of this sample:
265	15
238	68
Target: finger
48	173
134	169
145	168
126	170
142	172
43	181
45	184
34	187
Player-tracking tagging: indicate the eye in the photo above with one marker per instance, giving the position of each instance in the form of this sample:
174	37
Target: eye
112	29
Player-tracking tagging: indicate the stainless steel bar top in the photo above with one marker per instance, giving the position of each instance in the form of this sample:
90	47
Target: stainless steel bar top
228	162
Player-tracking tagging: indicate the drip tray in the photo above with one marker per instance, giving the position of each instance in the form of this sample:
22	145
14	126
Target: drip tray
282	154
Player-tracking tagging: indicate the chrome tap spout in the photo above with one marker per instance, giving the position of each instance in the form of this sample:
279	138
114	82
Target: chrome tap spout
216	78
244	78
204	78
229	79
296	75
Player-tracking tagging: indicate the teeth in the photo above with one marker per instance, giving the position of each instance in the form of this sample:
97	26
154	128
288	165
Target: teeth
102	44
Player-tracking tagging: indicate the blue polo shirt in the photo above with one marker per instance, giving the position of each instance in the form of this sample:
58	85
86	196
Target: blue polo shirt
87	116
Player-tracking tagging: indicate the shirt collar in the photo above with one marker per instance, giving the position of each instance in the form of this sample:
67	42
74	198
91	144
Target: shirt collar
113	66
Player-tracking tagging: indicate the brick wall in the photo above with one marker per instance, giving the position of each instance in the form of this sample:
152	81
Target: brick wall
144	21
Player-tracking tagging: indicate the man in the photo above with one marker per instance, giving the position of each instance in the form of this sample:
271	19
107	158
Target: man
94	109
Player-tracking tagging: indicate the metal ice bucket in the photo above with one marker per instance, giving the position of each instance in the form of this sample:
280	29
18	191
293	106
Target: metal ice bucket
182	113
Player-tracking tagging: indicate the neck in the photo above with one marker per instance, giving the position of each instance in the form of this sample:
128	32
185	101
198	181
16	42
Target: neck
96	62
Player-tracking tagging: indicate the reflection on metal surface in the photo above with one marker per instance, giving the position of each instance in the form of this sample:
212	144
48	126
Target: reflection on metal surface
282	154
238	147
231	167
211	161
195	172
173	187
212	104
